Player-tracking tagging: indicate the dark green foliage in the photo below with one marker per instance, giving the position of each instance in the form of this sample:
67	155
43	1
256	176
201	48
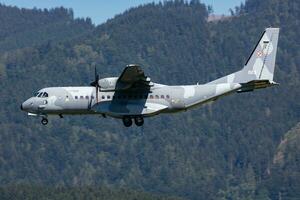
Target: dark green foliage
23	192
285	174
24	27
221	151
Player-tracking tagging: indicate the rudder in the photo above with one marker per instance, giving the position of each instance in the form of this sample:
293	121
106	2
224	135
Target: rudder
260	64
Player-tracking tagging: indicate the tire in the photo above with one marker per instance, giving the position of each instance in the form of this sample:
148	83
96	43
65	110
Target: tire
127	121
44	121
139	121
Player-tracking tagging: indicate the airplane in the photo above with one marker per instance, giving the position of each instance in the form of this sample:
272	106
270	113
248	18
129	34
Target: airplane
133	96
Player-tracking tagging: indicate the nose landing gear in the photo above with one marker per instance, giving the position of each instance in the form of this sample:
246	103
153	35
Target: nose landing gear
44	121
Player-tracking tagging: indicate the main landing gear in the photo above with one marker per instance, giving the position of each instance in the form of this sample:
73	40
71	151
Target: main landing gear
139	121
127	121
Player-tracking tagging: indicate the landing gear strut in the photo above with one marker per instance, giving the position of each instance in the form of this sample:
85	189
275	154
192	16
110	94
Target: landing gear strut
139	121
44	121
127	121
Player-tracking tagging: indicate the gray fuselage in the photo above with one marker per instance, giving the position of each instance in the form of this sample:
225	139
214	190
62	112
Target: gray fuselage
159	99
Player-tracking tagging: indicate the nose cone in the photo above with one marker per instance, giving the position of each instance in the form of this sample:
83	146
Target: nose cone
27	105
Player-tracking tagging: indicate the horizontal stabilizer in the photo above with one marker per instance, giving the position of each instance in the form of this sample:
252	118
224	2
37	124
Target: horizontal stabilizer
256	84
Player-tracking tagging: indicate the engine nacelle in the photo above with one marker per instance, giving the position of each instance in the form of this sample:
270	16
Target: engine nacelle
108	84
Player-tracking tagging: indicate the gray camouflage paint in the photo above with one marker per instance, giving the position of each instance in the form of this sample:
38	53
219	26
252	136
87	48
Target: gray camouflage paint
261	63
61	100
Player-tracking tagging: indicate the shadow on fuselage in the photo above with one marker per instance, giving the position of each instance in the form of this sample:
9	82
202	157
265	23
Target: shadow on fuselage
130	102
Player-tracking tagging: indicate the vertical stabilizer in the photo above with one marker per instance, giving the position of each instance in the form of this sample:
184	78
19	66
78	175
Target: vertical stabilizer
262	60
260	64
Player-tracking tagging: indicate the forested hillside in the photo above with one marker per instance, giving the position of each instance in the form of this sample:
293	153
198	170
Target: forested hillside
221	151
285	173
29	192
24	27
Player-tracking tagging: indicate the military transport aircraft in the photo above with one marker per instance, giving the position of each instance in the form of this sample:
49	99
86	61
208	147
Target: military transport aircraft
133	97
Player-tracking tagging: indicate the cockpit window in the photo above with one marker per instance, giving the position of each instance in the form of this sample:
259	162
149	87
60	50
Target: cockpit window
41	94
45	94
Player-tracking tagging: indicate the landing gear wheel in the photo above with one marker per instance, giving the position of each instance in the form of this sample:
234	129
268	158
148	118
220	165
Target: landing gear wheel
127	121
139	121
44	121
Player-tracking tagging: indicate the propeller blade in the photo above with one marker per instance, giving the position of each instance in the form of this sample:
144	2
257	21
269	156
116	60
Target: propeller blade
90	103
96	74
97	87
95	83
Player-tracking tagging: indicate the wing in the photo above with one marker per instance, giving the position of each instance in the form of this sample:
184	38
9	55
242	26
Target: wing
133	77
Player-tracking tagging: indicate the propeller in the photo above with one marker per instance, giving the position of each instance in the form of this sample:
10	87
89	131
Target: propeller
95	83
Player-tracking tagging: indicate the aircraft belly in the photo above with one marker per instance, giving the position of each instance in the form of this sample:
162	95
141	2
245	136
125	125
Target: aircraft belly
128	108
206	93
153	108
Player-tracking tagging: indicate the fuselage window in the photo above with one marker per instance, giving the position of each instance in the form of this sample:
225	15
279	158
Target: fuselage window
108	97
81	97
76	97
156	97
103	97
168	97
86	97
162	96
151	96
92	97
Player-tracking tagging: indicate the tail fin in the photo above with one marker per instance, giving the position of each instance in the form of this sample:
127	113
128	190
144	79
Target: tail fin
262	60
261	63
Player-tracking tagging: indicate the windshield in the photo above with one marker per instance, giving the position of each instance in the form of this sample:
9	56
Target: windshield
45	94
41	94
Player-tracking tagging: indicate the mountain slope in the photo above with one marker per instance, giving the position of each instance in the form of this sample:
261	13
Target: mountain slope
283	181
93	193
223	150
21	28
